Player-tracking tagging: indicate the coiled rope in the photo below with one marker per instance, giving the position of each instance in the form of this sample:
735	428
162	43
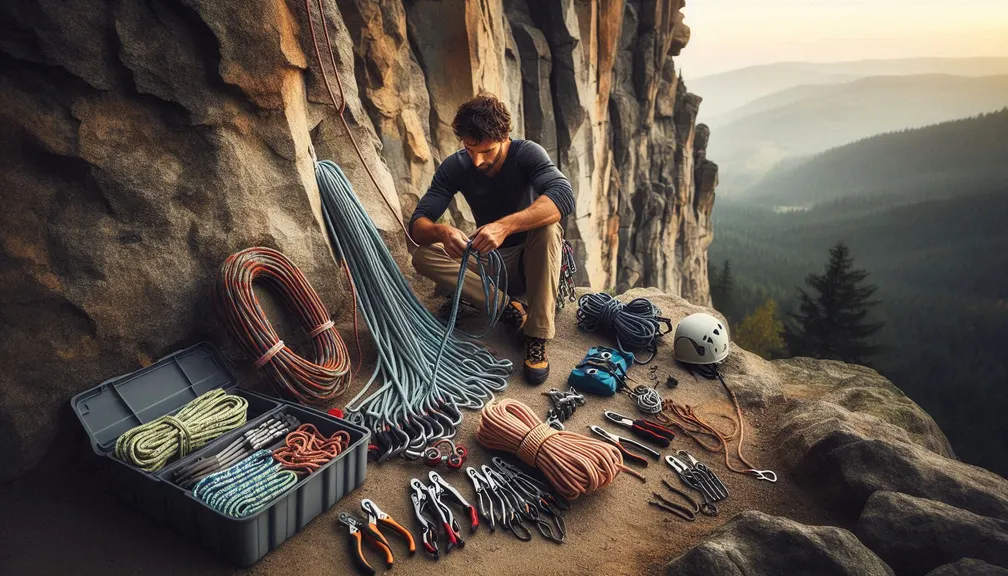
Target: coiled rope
246	487
151	445
573	463
291	375
636	325
305	450
427	372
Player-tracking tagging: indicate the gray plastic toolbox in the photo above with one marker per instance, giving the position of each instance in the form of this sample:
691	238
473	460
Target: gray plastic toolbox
117	405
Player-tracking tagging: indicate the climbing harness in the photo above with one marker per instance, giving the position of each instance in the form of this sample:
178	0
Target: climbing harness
246	487
291	375
252	440
636	325
150	446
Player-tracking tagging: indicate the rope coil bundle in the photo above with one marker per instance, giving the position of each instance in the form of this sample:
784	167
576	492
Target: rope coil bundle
246	487
636	324
427	373
305	450
291	375
150	446
573	463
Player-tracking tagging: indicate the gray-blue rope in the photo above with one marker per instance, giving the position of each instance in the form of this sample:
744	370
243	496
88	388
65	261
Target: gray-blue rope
243	489
427	373
636	325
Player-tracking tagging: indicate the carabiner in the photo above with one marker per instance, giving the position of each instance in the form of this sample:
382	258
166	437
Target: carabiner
767	475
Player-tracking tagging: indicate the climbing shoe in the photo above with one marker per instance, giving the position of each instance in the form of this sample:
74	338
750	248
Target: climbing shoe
514	316
536	365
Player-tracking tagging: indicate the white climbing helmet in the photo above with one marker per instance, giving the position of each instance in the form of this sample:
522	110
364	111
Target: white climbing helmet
701	339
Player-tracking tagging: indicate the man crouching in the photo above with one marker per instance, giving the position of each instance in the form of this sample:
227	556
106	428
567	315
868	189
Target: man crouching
518	197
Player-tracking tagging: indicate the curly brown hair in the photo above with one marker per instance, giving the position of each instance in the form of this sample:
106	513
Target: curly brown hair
482	118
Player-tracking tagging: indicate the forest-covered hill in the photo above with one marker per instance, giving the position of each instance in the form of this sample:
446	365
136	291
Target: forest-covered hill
926	213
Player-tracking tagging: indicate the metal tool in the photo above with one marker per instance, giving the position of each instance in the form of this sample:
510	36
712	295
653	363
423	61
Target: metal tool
686	513
445	488
621	443
376	517
689	477
421	500
361	532
511	519
644	429
715	482
482	487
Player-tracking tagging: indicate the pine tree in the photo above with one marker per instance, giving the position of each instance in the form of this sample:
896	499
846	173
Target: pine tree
832	324
722	285
760	332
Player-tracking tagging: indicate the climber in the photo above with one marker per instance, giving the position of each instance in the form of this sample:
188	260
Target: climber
517	196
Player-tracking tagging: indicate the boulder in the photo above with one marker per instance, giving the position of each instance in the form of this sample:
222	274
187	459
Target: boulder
968	567
915	535
757	543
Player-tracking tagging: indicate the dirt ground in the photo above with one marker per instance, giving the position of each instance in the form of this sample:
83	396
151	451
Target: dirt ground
65	522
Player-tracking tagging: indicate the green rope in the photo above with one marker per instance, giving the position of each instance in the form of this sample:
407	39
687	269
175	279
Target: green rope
151	445
246	487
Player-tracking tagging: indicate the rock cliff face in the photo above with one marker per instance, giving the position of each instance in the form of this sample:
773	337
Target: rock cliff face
145	141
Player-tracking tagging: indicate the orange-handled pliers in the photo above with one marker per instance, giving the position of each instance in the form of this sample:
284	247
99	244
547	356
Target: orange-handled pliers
375	516
359	532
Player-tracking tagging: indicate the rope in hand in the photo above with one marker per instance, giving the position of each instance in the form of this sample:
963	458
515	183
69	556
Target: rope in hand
150	446
291	375
698	426
427	372
305	450
636	324
573	463
246	487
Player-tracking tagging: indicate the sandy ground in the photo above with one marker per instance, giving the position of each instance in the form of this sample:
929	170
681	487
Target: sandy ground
65	522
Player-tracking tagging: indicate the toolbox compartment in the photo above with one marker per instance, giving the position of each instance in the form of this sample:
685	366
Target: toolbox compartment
119	404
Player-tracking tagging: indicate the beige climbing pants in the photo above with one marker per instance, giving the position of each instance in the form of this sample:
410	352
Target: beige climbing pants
540	256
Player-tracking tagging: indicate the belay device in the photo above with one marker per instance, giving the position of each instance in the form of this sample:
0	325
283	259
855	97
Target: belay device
602	372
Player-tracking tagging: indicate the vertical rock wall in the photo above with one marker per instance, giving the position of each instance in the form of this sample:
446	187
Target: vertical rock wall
144	141
594	82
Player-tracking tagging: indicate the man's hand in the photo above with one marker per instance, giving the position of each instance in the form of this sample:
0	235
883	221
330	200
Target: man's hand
454	241
490	237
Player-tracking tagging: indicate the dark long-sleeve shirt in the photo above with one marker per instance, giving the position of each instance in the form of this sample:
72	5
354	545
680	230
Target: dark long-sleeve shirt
527	173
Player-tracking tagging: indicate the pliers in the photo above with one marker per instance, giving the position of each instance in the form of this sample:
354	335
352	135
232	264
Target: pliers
375	516
621	443
445	487
358	530
420	498
483	497
452	530
643	429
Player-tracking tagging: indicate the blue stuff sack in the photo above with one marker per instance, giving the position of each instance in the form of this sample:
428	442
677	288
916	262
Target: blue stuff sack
602	371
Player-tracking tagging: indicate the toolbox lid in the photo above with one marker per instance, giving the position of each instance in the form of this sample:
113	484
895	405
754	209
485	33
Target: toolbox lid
119	404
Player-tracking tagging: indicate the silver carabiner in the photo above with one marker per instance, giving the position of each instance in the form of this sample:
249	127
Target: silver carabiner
766	475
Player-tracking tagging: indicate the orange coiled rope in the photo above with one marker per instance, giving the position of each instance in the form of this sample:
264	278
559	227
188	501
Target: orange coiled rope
573	463
305	450
236	303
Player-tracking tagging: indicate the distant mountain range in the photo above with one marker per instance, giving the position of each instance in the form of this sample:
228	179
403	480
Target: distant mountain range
943	160
924	211
805	120
724	92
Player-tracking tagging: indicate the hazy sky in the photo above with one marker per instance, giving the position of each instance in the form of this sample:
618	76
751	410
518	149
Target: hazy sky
730	34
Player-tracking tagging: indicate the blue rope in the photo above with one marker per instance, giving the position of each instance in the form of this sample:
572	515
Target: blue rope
427	373
246	487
